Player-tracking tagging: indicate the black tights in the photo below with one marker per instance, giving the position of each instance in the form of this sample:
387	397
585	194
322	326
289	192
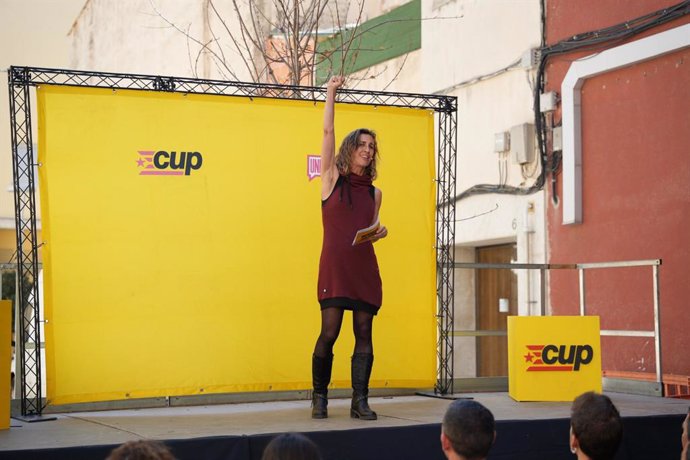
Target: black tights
332	319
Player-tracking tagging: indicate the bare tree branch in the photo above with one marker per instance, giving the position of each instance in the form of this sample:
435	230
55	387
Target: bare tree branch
204	46
210	29
346	50
395	77
253	71
278	41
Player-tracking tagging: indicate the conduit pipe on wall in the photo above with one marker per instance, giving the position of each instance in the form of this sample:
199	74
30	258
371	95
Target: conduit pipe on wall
591	66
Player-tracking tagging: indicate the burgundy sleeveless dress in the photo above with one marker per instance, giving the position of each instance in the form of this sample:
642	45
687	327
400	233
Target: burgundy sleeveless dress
349	275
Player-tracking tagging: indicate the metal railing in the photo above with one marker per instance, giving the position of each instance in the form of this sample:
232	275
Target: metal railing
581	268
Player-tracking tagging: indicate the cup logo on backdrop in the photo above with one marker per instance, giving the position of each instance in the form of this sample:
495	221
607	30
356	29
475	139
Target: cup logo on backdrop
168	163
567	358
313	166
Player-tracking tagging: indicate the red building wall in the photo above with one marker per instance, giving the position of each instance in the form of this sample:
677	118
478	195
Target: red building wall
636	190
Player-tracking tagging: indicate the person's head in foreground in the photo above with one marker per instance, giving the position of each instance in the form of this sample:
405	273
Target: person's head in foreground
595	427
143	449
291	446
468	431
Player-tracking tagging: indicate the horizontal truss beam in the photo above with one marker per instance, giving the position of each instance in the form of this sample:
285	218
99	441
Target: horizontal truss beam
34	76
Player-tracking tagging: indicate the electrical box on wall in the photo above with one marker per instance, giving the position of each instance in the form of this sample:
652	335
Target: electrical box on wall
501	142
557	139
522	143
530	58
548	102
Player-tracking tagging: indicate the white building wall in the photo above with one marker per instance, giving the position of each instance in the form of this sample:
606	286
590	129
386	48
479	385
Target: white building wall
401	74
129	36
184	38
32	34
472	49
470	38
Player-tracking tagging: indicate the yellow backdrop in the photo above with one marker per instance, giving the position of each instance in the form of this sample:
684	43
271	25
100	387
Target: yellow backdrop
181	274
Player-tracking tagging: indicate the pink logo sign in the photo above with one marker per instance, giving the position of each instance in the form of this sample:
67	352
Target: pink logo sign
163	163
313	166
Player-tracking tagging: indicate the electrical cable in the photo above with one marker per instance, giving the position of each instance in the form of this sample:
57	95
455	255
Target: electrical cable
513	65
586	41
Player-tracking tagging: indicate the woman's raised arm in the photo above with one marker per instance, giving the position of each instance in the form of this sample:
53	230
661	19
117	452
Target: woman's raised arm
329	172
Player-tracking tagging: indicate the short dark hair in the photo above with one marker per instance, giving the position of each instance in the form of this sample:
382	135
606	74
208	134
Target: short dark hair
291	446
470	428
597	425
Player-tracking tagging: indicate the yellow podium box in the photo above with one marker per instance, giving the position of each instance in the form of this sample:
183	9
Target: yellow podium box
553	358
5	362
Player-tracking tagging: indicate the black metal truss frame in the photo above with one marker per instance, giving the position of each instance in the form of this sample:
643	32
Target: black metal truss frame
446	171
26	299
20	80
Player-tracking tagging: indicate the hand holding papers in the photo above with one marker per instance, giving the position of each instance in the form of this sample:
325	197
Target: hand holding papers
366	234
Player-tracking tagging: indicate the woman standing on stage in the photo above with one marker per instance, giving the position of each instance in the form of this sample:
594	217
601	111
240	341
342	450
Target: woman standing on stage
348	274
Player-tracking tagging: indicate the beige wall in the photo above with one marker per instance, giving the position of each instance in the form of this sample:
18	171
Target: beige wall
401	74
132	36
465	318
32	33
470	39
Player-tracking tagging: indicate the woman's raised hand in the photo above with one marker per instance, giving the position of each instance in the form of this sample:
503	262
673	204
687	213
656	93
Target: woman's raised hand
335	82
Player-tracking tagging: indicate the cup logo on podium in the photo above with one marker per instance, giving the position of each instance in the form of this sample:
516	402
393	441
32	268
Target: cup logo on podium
553	358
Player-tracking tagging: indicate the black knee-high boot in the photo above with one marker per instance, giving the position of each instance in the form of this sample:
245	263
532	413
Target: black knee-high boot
361	371
321	377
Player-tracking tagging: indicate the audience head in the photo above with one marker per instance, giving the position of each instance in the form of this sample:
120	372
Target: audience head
468	430
144	449
291	446
595	427
685	454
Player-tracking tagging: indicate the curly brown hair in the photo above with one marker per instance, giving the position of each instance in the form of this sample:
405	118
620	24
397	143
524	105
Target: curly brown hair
343	159
142	449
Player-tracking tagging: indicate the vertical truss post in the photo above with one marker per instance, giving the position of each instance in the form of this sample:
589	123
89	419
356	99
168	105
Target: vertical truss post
445	243
29	349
